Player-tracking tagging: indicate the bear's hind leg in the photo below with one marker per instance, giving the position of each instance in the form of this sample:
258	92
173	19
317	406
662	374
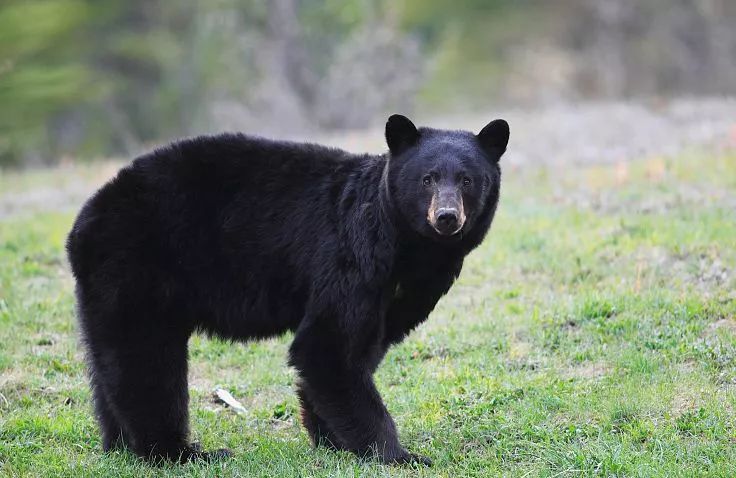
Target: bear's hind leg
318	430
148	392
113	434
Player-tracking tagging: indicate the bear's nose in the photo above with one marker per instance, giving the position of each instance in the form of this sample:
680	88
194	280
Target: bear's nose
447	221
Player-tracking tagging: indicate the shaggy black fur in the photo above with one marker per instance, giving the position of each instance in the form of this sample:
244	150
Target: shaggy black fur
243	238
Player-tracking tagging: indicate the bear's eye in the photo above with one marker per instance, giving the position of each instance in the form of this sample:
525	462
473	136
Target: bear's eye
467	182
427	180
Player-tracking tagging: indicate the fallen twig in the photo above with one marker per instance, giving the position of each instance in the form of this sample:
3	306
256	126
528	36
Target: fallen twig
225	397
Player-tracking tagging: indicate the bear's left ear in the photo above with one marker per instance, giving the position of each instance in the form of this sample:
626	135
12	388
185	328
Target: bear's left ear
401	134
494	137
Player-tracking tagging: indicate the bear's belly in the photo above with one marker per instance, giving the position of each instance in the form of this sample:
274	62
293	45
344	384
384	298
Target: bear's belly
258	308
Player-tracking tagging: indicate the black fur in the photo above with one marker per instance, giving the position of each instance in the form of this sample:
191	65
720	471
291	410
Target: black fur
243	238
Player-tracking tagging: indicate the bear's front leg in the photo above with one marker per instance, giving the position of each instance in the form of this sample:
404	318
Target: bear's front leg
336	383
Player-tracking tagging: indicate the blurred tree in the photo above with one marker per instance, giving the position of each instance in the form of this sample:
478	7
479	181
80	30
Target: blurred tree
466	45
41	73
102	77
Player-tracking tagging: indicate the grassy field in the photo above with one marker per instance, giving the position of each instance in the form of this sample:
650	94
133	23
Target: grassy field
592	334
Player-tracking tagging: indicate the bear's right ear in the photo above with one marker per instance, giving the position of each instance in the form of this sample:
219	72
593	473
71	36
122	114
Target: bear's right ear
401	134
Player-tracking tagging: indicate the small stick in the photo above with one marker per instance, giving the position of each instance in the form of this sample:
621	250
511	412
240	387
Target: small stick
225	397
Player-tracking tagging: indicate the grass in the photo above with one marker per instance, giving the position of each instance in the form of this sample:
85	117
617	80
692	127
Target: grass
592	334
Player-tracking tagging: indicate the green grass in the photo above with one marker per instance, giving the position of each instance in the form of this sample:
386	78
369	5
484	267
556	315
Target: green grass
592	334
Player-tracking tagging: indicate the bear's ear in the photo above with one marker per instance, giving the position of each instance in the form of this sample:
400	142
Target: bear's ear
494	137
401	134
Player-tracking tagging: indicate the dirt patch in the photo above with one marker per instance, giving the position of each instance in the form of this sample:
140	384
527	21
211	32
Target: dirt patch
686	397
685	401
519	346
727	325
587	371
706	272
202	377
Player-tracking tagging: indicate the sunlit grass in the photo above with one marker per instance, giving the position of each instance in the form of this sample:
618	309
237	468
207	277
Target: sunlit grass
593	333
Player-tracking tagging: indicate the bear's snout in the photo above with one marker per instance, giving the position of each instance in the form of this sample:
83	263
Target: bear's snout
446	213
447	221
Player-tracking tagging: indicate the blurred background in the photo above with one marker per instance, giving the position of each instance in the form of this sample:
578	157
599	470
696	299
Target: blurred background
81	80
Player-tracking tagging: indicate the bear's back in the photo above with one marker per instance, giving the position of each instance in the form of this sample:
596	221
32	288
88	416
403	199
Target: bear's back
209	193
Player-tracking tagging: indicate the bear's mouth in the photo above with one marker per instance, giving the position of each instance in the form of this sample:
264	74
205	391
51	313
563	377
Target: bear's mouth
447	233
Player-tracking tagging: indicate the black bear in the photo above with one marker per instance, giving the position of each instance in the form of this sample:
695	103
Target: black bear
242	237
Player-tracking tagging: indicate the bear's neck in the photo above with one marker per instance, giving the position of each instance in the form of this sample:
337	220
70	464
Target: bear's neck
389	213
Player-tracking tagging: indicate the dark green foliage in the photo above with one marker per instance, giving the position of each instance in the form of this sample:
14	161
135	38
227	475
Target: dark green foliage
91	78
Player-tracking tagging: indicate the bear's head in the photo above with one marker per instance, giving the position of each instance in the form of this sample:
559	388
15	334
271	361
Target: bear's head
444	184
